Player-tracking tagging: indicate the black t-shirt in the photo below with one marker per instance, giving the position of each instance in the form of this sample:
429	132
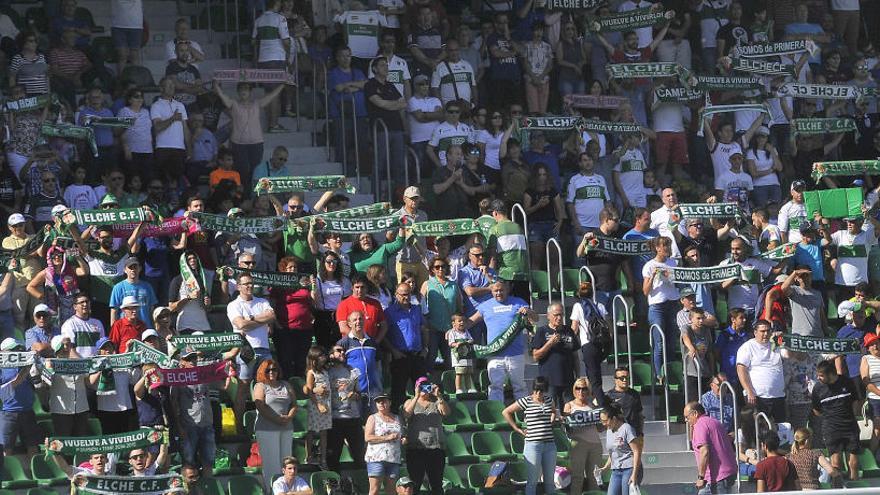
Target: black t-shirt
9	184
630	404
451	203
603	266
706	244
733	36
835	401
558	364
547	213
388	92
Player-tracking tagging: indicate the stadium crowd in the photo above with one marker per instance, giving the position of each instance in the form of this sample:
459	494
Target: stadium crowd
712	163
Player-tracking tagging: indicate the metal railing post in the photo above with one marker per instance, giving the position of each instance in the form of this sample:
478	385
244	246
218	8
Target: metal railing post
736	440
326	109
583	269
238	33
699	371
354	123
758	416
296	88
665	370
410	152
377	188
210	27
614	306
513	209
315	104
552	241
344	148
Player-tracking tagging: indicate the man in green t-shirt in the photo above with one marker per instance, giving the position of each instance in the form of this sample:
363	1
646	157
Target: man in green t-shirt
296	234
508	250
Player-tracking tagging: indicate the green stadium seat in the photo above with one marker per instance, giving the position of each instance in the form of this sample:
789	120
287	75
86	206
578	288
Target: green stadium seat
457	451
447	383
244	485
346	460
675	376
95	427
540	287
563	444
300	422
299	451
721	310
210	486
858	484
516	472
47	473
489	414
571	281
483	380
13	476
39	411
868	464
41	491
459	418
298	383
517	443
453	484
47	427
248	420
489	446
477	474
622	283
318	478
641	376
359	478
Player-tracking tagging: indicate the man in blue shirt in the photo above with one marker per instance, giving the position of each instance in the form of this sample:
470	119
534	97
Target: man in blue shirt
729	341
17	394
711	401
641	231
542	152
509	363
855	328
407	338
133	286
474	279
361	352
37	337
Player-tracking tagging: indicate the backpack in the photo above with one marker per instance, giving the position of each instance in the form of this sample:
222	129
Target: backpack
342	486
598	329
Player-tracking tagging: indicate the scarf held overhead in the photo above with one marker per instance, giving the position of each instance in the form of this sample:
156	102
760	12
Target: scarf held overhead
115	216
591	101
725	83
455	226
782	252
829	125
644	70
776	48
630	20
573	4
131	485
254	75
241	225
72	132
819	91
854	167
623	247
358	225
197	375
150	354
709	210
270	185
706	275
105	444
15	359
168	228
756	66
218	342
677	94
284	280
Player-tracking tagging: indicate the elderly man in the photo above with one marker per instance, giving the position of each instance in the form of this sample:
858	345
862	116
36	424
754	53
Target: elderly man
716	462
508	363
276	166
409	259
554	347
38	337
129	327
408	342
361	353
759	368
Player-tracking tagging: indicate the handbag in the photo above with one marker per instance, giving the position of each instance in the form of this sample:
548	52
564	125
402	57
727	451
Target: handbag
634	489
254	459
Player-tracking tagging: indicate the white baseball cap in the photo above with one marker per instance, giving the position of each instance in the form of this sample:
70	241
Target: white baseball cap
130	302
42	308
15	219
149	333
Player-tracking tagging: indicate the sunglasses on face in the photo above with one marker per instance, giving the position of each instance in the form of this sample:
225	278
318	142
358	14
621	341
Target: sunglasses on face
623	378
440	267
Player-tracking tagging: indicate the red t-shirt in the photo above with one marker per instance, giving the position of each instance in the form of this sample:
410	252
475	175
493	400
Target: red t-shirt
372	310
644	55
123	330
293	308
777	472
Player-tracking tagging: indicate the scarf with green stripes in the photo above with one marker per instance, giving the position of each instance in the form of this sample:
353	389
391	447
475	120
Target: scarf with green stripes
15	359
626	21
500	342
30	104
853	167
112	122
644	70
442	228
131	485
704	275
831	125
776	48
725	83
271	185
763	67
621	247
239	225
819	91
573	5
710	210
359	225
677	94
193	280
106	444
819	345
115	216
782	252
215	342
150	354
284	280
254	75
739	107
71	131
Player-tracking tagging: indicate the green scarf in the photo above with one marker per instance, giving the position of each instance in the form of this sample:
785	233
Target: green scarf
13	359
241	225
106	444
550	123
705	275
606	127
271	185
131	485
112	122
725	83
854	167
255	75
822	125
375	209
677	94
590	101
358	225
443	228
106	383
575	5
282	280
746	107
151	355
622	247
819	91
217	342
626	21
194	282
776	48
107	217
757	66
72	132
84	366
782	252
644	70
818	345
30	104
709	210
500	342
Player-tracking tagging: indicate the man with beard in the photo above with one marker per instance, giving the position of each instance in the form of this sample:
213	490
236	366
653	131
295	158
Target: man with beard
604	265
296	235
701	234
793	213
200	241
107	265
744	293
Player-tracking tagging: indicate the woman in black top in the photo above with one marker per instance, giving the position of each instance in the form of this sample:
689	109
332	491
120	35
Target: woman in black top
545	210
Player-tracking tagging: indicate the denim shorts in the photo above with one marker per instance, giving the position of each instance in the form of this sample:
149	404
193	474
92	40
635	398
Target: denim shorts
247	371
127	37
383	469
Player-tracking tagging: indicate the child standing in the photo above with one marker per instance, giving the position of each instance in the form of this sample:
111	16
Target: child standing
462	362
79	195
317	388
225	170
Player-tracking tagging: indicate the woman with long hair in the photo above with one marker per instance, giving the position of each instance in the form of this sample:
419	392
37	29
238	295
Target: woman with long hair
137	140
294	332
586	447
764	165
584	314
28	67
539	449
807	460
275	400
330	288
57	285
625	449
489	142
662	301
366	252
378	290
442	298
545	210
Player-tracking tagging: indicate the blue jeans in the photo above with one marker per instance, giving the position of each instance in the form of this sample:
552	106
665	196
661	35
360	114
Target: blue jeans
7	324
604	298
199	439
619	482
663	315
766	194
540	458
246	371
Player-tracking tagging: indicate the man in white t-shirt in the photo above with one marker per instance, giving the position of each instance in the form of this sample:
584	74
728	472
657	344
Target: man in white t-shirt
454	78
137	459
126	29
720	148
587	196
759	369
853	245
289	483
661	219
172	134
629	174
181	35
793	213
398	69
425	113
449	132
734	185
743	292
271	40
83	330
251	317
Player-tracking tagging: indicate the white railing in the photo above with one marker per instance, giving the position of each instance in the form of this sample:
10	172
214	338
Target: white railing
525	219
736	439
665	370
627	322
411	153
377	179
586	269
553	242
684	379
760	415
354	125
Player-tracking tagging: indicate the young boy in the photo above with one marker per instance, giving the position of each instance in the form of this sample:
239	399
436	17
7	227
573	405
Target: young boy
204	150
463	364
224	170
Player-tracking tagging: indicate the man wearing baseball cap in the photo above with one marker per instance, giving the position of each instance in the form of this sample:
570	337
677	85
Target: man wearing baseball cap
853	245
38	336
405	486
133	286
409	258
130	326
22	302
793	213
107	265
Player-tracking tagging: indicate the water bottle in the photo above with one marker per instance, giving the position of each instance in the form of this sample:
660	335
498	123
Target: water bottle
483	180
597	473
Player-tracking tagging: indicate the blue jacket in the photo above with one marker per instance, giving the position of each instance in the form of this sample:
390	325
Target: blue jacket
365	357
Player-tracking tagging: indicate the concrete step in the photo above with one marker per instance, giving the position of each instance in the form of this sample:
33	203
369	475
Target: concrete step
307	154
661	460
674	488
670	474
291	140
316	168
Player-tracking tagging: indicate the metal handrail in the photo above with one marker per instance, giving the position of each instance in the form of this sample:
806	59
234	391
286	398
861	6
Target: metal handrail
760	415
585	268
377	186
410	152
238	32
554	242
736	440
513	209
865	413
628	339
326	111
296	87
665	370
685	382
